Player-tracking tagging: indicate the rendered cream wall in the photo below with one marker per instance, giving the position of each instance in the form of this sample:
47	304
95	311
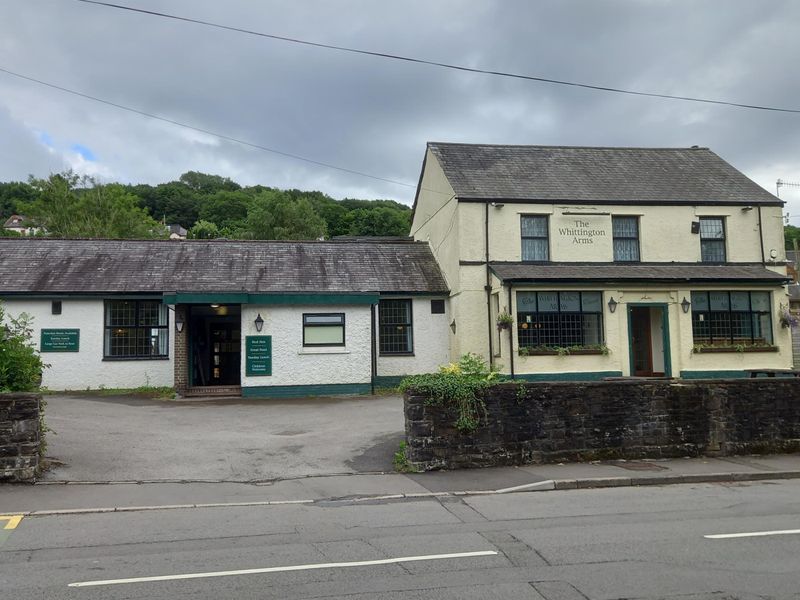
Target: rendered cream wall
436	222
665	233
431	342
292	364
86	368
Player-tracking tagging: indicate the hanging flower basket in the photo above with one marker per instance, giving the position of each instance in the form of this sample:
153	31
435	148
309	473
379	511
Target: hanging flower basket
504	321
786	318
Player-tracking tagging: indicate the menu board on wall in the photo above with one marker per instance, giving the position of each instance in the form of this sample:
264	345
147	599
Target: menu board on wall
258	355
60	340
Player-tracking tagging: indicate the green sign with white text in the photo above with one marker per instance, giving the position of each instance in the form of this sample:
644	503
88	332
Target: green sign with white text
258	355
60	340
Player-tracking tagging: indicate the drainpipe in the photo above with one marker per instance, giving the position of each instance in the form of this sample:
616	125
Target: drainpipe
373	353
488	287
510	336
761	236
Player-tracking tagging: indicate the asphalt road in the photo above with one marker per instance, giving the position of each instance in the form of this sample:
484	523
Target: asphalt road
123	438
606	544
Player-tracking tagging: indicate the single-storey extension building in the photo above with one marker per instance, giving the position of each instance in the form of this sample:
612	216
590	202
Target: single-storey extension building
234	317
585	263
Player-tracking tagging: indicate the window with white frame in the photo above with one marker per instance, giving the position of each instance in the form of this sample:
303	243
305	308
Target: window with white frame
323	329
136	329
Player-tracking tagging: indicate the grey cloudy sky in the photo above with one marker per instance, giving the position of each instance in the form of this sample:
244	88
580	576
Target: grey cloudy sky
373	115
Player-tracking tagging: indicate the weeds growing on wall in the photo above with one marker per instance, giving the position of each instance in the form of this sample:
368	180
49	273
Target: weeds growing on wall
459	386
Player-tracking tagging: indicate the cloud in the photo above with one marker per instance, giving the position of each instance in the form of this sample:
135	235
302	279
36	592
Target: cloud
84	152
374	116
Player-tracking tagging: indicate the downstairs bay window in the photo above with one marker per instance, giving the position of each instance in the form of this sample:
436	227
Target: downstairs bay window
553	320
731	318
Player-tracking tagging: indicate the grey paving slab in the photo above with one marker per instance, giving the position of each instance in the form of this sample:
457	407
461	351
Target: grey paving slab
476	479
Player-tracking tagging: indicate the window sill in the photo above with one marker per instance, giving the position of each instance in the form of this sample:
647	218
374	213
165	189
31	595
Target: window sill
391	354
728	349
557	353
328	350
134	358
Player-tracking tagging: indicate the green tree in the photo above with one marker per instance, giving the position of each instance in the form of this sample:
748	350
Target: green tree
379	221
204	230
274	215
12	194
227	210
791	233
208	184
71	206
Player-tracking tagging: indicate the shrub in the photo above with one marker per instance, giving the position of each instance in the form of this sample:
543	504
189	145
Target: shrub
459	386
20	363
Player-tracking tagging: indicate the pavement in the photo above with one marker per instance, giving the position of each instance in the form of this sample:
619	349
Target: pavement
55	497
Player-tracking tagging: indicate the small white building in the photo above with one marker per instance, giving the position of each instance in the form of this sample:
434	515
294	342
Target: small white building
260	319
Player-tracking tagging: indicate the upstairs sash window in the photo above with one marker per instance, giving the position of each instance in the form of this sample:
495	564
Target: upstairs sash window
535	241
712	239
625	231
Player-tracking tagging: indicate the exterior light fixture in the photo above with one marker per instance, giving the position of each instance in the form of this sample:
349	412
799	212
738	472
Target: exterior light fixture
685	304
259	322
178	324
453	326
612	304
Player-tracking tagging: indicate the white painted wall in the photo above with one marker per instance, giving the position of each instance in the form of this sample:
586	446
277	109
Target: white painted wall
431	341
86	368
292	364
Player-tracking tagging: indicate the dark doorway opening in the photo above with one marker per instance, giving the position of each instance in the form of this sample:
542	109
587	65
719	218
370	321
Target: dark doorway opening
215	343
648	341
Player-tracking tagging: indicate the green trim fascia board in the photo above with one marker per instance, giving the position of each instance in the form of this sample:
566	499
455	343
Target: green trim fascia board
269	299
577	376
714	374
300	391
388	381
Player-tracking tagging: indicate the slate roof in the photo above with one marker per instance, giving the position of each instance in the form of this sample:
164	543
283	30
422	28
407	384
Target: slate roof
154	266
636	272
692	176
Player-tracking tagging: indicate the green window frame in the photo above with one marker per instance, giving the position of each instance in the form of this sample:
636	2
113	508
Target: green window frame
732	318
550	319
135	330
395	327
323	329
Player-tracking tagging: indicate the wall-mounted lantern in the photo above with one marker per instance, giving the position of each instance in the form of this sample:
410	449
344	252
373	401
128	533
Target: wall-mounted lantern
612	304
178	324
259	322
685	305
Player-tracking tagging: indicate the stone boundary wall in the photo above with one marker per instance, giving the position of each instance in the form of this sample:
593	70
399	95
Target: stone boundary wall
19	436
575	421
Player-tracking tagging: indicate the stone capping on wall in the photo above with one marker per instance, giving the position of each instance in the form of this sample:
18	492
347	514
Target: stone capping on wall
576	421
19	436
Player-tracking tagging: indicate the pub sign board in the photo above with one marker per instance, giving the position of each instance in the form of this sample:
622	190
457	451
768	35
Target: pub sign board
60	340
258	355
